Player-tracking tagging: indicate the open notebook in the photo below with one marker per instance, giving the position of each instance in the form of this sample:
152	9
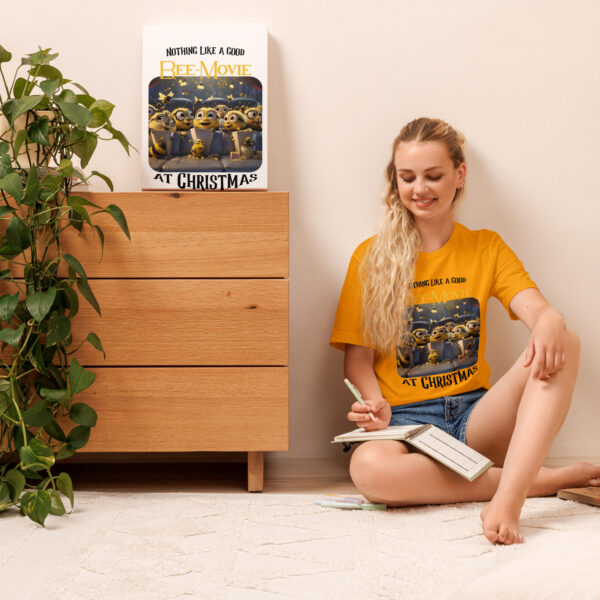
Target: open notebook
431	441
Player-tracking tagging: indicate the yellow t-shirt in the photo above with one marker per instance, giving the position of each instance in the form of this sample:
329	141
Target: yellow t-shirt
443	354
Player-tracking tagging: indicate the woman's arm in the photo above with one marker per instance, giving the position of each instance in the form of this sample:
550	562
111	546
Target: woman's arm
358	368
546	350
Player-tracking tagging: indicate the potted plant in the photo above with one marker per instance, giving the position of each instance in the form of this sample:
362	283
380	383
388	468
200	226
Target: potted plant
49	129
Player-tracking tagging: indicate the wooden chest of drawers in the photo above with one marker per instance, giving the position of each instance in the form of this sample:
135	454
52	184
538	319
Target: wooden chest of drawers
194	324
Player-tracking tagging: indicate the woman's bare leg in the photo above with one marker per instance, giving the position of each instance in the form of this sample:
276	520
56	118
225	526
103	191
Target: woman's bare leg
540	411
514	424
385	471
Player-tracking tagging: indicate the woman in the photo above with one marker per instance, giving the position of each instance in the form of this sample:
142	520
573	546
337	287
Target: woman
411	319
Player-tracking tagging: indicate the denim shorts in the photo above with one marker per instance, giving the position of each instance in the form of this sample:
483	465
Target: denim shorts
449	413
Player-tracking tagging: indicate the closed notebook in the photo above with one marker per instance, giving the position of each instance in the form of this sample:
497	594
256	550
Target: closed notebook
430	440
588	495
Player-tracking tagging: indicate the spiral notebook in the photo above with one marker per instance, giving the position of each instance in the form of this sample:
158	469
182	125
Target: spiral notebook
430	440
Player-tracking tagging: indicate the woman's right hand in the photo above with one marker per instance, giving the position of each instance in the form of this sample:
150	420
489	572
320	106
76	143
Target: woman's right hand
381	411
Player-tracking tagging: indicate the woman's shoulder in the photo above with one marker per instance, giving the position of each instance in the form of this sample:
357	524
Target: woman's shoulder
361	249
477	236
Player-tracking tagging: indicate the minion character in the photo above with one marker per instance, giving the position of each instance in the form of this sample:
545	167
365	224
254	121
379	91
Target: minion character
473	326
206	118
248	148
421	336
450	325
222	110
181	110
152	110
459	332
433	358
183	117
234	121
253	117
405	352
160	135
206	127
439	334
197	150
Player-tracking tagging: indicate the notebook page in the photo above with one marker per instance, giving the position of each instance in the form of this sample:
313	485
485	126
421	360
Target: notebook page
448	450
395	432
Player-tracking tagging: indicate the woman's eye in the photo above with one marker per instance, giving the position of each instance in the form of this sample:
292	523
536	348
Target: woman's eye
437	178
407	180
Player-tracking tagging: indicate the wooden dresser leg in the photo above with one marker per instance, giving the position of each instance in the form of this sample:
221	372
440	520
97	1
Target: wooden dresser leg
255	471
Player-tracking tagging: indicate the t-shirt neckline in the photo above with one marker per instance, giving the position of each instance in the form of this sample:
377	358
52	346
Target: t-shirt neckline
446	248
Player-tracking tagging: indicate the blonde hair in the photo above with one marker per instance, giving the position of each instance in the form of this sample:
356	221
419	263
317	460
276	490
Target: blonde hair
388	267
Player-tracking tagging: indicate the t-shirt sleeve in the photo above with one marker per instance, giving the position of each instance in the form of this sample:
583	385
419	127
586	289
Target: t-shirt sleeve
510	277
347	324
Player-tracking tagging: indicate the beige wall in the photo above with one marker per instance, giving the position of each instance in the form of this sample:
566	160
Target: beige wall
520	78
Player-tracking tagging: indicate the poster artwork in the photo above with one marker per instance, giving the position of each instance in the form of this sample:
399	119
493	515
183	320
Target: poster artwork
204	95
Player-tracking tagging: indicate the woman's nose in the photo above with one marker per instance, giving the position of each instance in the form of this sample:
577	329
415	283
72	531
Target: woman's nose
421	187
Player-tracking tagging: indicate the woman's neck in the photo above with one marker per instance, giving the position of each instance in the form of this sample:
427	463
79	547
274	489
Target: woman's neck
434	235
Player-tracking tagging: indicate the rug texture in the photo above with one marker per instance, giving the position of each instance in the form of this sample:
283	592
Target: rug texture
252	546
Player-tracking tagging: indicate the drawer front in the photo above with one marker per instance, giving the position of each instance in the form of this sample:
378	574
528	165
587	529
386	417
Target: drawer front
188	235
186	322
188	409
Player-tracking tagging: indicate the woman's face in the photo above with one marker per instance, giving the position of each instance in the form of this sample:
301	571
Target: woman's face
427	179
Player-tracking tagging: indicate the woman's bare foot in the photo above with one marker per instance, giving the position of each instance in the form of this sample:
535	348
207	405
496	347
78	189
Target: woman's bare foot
500	518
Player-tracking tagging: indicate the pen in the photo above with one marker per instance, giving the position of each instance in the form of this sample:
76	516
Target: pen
357	395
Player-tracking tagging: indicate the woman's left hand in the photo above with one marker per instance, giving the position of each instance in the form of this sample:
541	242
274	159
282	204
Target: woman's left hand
546	350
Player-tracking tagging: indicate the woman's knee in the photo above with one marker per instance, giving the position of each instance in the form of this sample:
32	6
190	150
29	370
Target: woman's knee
371	459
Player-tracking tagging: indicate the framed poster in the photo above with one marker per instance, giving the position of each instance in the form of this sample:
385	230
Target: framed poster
204	108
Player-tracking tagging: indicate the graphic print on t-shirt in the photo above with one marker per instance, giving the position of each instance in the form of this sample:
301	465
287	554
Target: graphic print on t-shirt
441	338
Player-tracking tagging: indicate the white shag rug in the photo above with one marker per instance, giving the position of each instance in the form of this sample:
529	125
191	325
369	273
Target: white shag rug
172	546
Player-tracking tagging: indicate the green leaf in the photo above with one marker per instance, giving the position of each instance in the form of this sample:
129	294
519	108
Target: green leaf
38	132
106	179
75	265
8	304
66	167
5	499
56	431
5	402
117	214
80	378
75	113
101	238
19	139
85	99
56	504
36	505
17	235
16	483
21	106
65	452
36	455
85	148
23	87
65	485
13	185
50	86
40	303
36	356
98	118
5	210
39	415
5	55
83	414
47	72
32	187
55	395
71	297
86	291
59	328
94	340
42	57
78	437
68	96
12	336
118	135
104	105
